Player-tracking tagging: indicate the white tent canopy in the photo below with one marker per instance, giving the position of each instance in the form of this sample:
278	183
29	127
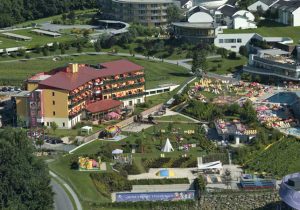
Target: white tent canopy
86	129
117	152
211	165
168	146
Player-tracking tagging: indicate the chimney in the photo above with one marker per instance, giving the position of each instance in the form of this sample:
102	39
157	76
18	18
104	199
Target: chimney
72	68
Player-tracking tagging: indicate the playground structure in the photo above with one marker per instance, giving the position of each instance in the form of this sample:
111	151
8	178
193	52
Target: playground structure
110	132
165	173
87	164
168	147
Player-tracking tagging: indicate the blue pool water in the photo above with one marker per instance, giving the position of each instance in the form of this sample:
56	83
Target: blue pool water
283	98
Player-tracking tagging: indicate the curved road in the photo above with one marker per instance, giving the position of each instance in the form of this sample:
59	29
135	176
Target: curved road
61	199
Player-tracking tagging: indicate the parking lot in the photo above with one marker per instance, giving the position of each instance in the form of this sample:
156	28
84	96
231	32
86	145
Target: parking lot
9	90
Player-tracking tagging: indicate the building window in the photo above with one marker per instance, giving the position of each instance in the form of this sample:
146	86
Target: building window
48	124
53	102
53	94
230	40
53	113
233	46
104	97
221	40
239	40
64	124
130	103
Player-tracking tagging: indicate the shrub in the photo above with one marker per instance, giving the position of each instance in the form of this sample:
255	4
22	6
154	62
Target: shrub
107	183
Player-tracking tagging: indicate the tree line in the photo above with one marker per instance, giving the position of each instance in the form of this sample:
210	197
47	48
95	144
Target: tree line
16	11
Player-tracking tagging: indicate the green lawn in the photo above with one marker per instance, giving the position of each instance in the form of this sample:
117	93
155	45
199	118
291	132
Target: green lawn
36	39
174	118
225	65
283	31
81	181
14	73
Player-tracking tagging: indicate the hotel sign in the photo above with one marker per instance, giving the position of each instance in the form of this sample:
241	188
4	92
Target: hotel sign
155	196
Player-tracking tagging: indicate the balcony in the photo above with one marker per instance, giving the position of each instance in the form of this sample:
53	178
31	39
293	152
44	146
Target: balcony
123	79
268	61
130	96
126	87
271	72
70	106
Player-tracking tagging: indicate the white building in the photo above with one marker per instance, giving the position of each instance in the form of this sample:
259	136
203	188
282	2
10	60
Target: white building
261	5
243	19
230	16
287	12
233	42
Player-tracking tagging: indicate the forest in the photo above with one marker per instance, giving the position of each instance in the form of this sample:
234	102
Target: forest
16	11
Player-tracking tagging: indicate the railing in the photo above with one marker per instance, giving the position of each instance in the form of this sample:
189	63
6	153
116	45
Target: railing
76	103
126	87
130	96
270	72
277	64
123	79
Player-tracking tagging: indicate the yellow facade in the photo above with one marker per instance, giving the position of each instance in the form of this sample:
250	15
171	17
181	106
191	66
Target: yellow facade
55	103
31	86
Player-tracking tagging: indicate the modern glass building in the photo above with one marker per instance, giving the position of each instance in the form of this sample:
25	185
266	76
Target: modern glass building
274	63
146	12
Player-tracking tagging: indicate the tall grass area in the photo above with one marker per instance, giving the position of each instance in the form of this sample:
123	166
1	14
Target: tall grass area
279	159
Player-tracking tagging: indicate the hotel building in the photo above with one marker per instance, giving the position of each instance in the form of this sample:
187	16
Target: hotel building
67	95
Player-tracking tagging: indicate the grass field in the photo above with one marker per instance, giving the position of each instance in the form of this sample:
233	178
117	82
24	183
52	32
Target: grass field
174	118
14	73
81	181
36	39
280	31
224	65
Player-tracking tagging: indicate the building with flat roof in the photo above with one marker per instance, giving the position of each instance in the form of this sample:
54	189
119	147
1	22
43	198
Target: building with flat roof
146	12
274	63
64	95
199	27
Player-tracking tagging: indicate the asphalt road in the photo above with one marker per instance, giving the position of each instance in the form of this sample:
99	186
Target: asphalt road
61	199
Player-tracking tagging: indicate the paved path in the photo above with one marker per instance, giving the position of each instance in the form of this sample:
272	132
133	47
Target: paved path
59	200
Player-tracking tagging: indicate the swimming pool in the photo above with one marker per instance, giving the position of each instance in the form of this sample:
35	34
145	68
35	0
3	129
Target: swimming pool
283	98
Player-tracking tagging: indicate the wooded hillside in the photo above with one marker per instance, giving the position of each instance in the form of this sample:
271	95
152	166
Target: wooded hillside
16	11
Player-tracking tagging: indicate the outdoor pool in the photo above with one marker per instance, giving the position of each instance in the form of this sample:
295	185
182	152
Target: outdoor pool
283	98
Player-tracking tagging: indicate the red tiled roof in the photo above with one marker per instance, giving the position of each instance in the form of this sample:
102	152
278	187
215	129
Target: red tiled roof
103	105
69	81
